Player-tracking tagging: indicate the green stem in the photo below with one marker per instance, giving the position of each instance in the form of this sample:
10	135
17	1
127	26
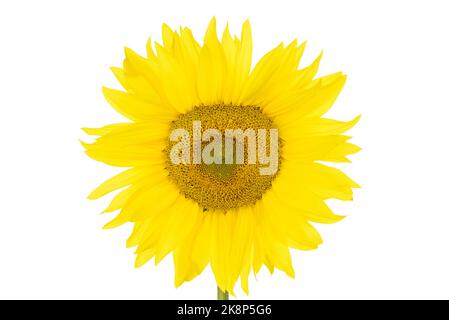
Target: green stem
221	295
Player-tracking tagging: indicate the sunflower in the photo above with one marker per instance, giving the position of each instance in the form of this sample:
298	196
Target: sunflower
228	216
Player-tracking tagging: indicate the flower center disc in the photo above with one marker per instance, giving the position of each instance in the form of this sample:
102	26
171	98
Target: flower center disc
222	186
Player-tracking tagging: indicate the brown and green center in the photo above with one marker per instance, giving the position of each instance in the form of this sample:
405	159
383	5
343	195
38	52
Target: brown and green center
221	186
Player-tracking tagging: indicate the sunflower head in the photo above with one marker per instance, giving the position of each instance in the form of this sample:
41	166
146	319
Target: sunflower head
224	182
224	161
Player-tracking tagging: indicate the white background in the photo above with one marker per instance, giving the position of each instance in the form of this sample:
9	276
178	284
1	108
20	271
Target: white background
54	59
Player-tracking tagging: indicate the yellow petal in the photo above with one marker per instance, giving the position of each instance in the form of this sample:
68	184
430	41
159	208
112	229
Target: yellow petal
192	257
167	36
136	65
220	243
137	233
317	127
132	107
137	85
144	257
120	200
103	130
312	102
275	253
241	243
178	78
290	228
241	66
274	75
126	156
324	181
308	149
185	268
119	181
176	224
212	68
152	200
302	201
